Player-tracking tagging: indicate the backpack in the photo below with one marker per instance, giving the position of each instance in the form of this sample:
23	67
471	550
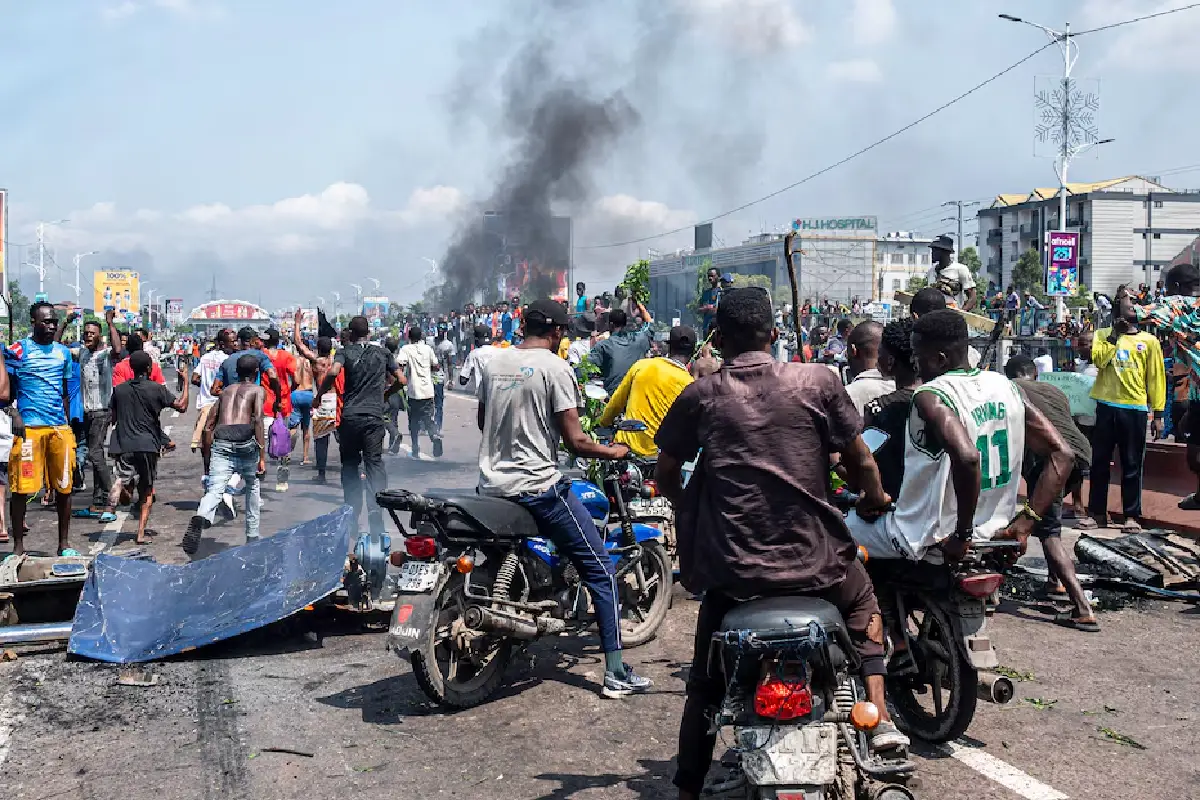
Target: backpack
279	440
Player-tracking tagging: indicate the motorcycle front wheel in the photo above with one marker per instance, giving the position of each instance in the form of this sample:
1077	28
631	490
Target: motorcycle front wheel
456	667
645	590
937	702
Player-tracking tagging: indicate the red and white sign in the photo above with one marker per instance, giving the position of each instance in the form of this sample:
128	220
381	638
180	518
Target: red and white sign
229	310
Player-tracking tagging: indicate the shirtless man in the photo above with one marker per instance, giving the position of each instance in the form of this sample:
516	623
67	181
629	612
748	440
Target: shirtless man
302	402
325	407
237	439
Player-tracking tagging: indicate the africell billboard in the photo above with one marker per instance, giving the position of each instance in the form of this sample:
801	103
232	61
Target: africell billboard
1062	273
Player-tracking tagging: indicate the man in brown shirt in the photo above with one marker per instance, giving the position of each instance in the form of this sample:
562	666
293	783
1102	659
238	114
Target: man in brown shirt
757	518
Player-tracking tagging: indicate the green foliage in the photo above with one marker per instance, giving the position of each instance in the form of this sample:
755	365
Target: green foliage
969	258
1028	275
637	281
18	310
701	285
916	283
746	281
417	308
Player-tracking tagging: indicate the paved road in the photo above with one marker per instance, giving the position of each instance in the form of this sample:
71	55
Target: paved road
68	731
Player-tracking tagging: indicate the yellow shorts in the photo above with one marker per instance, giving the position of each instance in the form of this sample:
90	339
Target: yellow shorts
45	458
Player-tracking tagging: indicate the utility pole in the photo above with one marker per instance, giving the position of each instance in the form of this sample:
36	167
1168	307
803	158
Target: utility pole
78	294
959	206
212	293
1073	132
40	266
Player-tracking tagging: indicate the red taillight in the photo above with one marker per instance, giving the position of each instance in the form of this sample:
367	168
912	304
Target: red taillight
652	486
782	700
420	546
980	585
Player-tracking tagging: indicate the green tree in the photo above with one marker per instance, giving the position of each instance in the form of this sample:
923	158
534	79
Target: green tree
916	283
1081	297
746	281
18	311
417	308
969	258
1028	275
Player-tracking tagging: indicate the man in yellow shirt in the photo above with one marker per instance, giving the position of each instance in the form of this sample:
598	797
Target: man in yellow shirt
648	390
1131	383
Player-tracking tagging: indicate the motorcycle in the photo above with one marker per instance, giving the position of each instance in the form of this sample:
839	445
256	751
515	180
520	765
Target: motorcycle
941	659
477	583
797	705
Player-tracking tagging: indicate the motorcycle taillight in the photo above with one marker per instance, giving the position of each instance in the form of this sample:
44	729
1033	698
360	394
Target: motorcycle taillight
781	700
652	485
420	546
981	584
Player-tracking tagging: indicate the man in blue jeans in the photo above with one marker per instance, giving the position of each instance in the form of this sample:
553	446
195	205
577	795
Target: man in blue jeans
528	398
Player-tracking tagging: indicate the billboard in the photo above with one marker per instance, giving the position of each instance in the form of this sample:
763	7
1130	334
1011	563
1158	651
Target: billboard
231	310
376	310
1062	273
119	289
4	250
174	311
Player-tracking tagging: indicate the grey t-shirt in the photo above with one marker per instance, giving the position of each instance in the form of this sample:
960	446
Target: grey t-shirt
522	390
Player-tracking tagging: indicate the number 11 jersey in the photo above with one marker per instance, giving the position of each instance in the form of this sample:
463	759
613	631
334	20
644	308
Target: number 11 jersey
992	410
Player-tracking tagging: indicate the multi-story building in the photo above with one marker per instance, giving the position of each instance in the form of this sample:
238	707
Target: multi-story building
839	258
1129	229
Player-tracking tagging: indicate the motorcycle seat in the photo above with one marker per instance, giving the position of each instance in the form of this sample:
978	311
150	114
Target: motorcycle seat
783	613
476	514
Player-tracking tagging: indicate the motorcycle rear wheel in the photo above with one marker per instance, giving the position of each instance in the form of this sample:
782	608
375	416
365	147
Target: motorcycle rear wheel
642	614
436	663
941	667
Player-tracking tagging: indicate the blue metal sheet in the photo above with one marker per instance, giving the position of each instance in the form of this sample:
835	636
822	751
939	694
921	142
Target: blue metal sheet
134	610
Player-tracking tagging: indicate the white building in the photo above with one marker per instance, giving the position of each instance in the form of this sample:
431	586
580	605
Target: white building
1130	228
899	256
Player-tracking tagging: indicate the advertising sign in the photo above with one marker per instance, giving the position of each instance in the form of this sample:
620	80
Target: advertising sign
835	224
376	309
1062	272
4	250
118	289
1077	388
229	311
174	311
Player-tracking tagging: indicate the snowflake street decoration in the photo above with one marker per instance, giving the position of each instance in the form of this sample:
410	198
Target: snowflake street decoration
1066	113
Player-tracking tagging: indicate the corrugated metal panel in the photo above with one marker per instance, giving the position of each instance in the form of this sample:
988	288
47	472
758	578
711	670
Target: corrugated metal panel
1109	245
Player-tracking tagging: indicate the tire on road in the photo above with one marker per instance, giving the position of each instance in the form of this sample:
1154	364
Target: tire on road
658	567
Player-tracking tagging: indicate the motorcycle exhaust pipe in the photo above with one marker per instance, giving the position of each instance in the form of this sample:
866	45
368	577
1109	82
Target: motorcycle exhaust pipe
482	619
995	688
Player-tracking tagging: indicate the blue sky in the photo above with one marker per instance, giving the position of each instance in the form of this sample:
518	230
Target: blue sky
292	147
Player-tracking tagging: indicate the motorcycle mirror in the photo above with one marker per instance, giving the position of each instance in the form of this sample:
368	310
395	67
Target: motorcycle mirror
631	426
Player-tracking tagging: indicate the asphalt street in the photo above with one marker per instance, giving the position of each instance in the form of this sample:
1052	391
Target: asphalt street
354	712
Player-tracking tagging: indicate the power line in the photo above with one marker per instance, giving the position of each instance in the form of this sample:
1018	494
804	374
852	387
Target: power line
835	165
1137	19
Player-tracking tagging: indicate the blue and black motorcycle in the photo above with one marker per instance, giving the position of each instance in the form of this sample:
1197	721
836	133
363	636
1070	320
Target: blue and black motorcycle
476	582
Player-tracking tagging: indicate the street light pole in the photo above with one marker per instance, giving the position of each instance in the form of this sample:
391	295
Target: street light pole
1066	152
78	292
40	266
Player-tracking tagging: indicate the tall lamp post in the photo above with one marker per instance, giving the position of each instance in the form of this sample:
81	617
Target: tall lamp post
40	266
1067	151
78	294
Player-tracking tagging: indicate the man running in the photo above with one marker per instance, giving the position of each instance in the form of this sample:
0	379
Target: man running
394	405
478	358
137	435
285	368
123	371
649	389
43	450
967	434
528	399
327	405
238	441
366	368
420	363
444	350
302	403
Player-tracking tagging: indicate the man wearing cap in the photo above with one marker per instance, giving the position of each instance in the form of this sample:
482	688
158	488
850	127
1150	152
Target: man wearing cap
954	279
648	390
709	299
528	399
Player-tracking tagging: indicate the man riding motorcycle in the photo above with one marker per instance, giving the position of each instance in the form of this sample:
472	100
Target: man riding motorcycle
757	517
966	435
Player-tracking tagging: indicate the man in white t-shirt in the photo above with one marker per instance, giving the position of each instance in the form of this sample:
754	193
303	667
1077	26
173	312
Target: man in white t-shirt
954	279
1043	362
420	363
446	353
477	359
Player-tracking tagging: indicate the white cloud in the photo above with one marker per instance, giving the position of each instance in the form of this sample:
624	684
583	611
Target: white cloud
120	11
858	70
623	208
308	222
874	21
1164	43
756	26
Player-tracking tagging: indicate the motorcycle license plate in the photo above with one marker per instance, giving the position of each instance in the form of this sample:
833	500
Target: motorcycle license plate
789	755
417	576
655	507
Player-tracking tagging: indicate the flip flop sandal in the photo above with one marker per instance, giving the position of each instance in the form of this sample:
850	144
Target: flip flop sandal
69	552
1084	625
107	516
1085	524
87	513
1132	526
